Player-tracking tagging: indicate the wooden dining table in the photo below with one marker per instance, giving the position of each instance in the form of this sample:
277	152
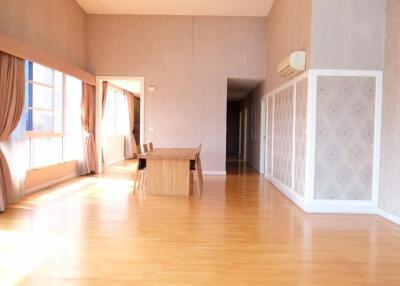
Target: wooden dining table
168	171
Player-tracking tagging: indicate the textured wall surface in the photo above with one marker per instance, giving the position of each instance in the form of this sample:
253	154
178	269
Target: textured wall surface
390	156
300	136
288	30
283	136
189	60
56	27
348	34
345	137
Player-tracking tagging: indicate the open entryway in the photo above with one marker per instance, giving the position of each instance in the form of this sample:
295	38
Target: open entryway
121	124
243	123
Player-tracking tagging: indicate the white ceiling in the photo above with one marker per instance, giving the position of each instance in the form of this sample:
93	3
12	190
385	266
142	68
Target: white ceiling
178	7
239	88
134	86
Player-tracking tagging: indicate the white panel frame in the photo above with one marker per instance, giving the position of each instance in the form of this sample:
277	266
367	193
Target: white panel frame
273	136
310	137
308	203
263	135
286	190
343	206
294	99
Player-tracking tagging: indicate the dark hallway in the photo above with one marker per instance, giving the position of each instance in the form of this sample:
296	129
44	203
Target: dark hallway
232	129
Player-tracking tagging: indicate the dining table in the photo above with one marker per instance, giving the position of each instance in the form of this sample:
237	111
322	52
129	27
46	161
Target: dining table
168	170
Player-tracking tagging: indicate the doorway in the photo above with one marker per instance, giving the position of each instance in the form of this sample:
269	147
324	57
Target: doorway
241	121
245	136
116	137
233	130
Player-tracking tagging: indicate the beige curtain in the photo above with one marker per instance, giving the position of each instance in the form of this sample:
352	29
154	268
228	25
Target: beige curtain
104	96
88	118
12	98
131	111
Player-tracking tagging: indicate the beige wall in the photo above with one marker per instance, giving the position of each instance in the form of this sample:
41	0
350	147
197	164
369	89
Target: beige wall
56	27
390	164
340	34
288	30
189	60
114	151
348	34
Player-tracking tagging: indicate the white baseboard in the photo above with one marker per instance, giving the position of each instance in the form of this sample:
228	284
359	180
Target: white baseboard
340	207
332	206
389	216
214	173
51	183
293	196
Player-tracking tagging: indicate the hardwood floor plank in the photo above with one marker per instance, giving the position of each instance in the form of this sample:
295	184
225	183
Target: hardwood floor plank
240	231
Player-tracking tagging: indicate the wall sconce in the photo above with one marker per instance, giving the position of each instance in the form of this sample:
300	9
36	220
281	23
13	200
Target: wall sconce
152	88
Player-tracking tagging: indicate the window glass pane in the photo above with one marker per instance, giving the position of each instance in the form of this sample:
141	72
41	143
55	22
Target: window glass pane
109	113
121	111
58	89
29	125
58	102
28	102
28	70
58	127
42	96
43	74
48	96
46	151
73	133
42	120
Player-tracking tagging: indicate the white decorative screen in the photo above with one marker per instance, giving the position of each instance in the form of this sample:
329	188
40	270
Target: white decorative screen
300	136
270	122
283	136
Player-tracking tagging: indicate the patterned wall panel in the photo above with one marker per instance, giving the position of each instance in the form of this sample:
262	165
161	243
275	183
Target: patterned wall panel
300	137
283	136
344	139
270	118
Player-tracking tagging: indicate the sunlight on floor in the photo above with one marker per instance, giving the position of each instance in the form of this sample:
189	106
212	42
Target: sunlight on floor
90	230
22	252
112	187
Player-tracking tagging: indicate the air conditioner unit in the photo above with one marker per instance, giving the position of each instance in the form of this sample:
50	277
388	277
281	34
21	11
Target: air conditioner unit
293	65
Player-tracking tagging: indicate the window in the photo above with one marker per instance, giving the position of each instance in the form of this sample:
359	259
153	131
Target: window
115	113
53	122
73	130
44	100
46	151
109	113
121	110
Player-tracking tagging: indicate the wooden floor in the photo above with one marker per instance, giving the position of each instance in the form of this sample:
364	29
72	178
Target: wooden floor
241	231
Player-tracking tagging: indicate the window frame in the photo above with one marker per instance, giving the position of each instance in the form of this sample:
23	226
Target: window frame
29	135
30	83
